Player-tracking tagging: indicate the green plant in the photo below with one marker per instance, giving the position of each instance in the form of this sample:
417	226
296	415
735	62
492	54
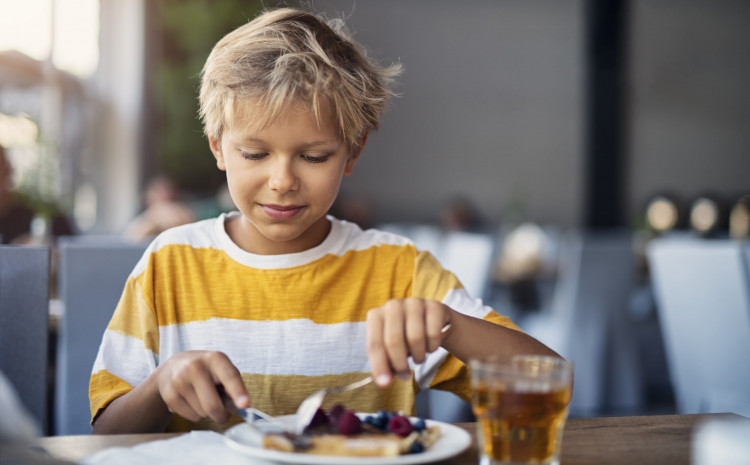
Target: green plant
188	30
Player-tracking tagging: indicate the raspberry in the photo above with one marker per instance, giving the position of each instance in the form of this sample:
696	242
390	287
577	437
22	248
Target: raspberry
400	425
349	424
318	419
335	414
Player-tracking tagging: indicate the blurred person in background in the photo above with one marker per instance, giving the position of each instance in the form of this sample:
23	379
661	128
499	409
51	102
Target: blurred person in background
460	214
164	210
357	209
16	217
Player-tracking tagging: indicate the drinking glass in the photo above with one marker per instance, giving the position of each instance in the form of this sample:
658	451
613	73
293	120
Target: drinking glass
521	406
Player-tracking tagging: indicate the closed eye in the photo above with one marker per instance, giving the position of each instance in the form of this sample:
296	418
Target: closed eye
254	156
312	159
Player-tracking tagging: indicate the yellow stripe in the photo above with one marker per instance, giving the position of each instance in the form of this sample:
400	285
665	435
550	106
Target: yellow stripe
135	317
196	284
281	395
453	376
431	281
104	387
495	317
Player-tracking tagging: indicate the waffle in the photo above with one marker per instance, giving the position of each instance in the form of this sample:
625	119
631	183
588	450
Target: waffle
368	443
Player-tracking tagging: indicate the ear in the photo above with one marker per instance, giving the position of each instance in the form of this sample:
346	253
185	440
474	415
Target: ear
349	168
215	145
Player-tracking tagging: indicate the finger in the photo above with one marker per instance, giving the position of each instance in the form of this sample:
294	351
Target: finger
226	374
394	336
381	369
436	319
185	387
179	406
208	397
415	329
177	397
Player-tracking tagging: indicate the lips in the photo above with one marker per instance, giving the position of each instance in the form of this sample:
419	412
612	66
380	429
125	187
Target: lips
281	212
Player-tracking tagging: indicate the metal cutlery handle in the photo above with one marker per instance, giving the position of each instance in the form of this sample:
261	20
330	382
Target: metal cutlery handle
249	414
351	386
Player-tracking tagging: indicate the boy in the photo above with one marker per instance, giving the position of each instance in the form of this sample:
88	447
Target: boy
278	299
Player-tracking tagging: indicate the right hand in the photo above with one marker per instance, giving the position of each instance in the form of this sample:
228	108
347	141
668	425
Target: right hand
187	385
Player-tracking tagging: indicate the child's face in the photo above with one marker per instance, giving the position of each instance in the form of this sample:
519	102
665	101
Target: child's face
283	178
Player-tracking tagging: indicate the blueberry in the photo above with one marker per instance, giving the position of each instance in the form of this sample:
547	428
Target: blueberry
380	422
419	425
370	420
416	448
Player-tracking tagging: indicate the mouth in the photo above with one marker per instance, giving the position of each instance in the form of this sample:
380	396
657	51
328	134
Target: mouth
281	212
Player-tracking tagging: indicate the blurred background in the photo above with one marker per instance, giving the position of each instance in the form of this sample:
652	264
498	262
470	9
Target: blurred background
534	123
573	113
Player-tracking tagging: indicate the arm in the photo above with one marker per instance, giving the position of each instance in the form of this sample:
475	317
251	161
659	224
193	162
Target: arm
185	385
474	338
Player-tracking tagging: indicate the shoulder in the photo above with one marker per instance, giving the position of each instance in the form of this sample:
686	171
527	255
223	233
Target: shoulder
201	234
352	237
198	235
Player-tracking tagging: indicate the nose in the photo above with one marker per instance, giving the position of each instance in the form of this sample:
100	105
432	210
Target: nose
282	178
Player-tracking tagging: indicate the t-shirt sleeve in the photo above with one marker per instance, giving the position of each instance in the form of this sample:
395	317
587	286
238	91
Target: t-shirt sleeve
129	349
442	370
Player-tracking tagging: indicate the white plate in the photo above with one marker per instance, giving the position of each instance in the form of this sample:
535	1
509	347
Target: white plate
452	441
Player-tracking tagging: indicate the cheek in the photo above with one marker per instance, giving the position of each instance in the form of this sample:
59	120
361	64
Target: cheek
240	182
329	181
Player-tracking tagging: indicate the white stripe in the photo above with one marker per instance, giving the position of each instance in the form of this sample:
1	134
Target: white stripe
292	347
125	357
211	233
359	241
197	235
307	349
460	301
425	372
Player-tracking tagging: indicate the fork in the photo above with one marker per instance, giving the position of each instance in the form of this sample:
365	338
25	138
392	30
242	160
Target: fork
311	404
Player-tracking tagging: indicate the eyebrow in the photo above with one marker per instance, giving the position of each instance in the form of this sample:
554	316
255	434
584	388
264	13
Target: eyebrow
305	145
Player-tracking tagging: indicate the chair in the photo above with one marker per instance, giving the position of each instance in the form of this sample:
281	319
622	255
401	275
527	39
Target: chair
24	325
588	321
92	277
702	292
469	256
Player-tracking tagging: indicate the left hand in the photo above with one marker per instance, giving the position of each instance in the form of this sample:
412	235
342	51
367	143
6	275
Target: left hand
403	328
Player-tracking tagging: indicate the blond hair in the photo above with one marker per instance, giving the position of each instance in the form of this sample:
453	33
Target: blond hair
288	56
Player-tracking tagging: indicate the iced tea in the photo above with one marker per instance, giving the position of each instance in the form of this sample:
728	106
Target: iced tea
521	409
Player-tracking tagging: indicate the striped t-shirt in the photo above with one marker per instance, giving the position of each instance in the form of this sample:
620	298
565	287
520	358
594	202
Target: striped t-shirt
290	323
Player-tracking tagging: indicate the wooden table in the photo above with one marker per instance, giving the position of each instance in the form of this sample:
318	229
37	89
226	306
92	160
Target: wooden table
643	440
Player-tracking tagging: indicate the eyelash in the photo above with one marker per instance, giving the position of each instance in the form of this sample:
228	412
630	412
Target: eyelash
253	156
312	159
307	158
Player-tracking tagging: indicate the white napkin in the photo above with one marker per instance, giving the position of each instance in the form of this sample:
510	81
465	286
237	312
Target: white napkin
197	447
722	442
